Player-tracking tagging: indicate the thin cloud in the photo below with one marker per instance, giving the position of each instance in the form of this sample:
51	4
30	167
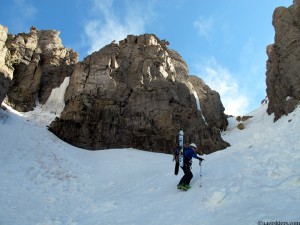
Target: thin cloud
108	26
25	9
204	26
220	79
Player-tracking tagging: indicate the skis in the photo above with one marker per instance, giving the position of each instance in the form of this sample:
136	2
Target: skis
176	167
178	153
180	142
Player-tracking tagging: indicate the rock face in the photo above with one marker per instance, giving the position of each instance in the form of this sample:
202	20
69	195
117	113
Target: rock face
283	67
138	94
6	71
39	63
211	105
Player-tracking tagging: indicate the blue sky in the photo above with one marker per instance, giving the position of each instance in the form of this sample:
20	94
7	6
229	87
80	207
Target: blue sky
223	41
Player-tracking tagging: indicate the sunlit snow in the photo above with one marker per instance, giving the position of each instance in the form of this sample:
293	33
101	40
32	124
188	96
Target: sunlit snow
45	181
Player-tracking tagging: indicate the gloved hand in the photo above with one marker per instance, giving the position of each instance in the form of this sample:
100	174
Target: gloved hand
200	159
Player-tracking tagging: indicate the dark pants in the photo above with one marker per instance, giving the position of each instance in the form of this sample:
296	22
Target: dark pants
188	175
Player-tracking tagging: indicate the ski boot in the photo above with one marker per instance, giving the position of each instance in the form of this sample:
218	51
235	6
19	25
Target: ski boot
187	186
182	187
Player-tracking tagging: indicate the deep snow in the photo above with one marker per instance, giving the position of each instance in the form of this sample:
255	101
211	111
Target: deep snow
45	181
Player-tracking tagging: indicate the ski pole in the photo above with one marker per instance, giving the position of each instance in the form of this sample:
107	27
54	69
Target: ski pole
200	173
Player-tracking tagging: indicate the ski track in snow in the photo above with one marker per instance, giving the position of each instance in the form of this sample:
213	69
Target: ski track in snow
45	181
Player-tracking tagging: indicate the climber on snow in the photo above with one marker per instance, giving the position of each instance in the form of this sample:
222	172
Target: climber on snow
188	154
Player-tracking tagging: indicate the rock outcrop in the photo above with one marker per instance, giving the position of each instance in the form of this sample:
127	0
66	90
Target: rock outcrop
39	63
137	94
6	71
283	65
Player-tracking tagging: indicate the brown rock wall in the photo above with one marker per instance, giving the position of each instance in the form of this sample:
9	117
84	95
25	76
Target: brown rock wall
283	67
6	71
135	94
40	63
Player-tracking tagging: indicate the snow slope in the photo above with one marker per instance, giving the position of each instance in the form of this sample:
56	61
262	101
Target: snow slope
45	181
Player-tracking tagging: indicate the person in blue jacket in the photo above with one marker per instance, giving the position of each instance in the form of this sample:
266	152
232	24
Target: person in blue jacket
188	154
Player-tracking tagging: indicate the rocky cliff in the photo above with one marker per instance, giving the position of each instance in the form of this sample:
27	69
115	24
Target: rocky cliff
212	110
39	63
6	70
283	65
137	93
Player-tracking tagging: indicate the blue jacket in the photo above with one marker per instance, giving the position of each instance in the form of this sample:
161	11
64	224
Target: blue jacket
189	154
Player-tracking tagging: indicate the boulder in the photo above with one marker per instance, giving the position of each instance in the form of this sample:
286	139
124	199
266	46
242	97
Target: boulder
241	126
